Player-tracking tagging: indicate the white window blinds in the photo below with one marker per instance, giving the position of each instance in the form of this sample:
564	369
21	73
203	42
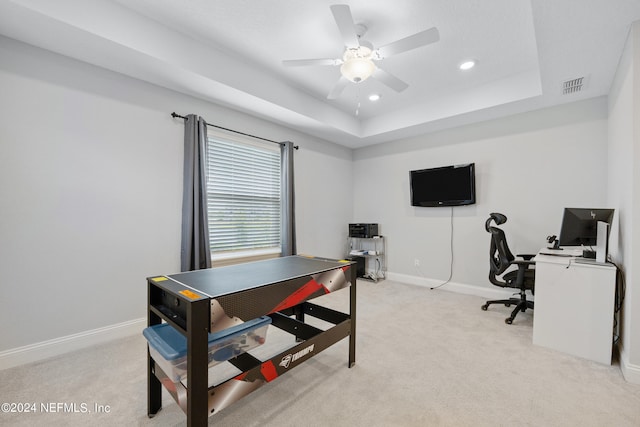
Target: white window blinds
243	195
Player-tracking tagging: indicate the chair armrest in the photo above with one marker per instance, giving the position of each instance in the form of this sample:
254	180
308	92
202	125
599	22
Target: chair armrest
526	263
525	256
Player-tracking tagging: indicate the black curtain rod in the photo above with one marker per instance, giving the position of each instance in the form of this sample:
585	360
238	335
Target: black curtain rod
174	115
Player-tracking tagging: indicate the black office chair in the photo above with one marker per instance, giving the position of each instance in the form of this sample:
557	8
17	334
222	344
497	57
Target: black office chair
500	259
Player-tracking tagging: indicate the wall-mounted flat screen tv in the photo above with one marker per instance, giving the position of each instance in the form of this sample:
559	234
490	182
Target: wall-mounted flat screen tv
444	186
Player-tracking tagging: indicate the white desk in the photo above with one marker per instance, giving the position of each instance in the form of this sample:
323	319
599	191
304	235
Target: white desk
574	304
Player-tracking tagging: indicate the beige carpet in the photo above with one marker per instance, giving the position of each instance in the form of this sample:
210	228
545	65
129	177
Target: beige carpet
424	358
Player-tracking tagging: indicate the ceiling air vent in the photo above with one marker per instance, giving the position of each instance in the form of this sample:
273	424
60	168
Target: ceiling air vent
573	85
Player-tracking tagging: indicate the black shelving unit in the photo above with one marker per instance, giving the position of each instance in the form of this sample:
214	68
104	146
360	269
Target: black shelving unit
372	251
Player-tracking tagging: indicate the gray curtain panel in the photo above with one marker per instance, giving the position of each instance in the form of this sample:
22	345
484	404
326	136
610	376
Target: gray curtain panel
288	226
195	250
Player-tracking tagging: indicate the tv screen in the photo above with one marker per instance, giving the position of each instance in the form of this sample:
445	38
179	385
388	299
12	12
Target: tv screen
443	186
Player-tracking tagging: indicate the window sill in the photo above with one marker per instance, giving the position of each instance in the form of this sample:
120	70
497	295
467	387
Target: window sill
239	257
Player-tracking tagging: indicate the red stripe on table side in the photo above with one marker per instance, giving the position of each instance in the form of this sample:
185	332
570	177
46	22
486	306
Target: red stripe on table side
300	295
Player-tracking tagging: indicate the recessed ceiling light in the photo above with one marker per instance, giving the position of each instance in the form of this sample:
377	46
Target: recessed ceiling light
467	65
374	97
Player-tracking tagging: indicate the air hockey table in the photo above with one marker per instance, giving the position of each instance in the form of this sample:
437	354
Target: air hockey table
203	302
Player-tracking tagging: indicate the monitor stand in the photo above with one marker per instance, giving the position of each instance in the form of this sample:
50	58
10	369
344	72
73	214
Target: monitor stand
602	241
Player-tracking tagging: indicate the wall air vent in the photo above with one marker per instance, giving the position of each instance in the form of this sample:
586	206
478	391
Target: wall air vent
573	85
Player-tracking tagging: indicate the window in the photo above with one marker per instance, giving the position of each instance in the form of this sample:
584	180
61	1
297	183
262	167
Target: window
243	197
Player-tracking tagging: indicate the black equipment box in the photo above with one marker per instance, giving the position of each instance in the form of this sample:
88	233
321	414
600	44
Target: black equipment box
363	230
360	264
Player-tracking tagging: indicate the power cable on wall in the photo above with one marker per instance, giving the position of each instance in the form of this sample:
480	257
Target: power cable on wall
451	253
619	299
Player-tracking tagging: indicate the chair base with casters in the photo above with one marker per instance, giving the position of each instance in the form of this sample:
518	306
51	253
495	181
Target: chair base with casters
521	305
500	259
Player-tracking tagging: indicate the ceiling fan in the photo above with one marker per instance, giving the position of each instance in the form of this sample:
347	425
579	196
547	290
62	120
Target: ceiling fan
357	62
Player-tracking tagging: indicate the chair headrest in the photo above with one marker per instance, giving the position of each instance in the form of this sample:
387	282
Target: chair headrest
498	218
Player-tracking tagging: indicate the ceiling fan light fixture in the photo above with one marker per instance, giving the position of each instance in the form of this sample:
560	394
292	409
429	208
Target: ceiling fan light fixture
357	66
358	70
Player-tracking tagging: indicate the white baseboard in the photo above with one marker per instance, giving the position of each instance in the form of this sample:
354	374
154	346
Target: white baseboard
630	372
461	288
55	347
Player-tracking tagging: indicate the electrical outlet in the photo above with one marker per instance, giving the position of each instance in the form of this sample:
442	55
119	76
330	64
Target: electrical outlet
416	262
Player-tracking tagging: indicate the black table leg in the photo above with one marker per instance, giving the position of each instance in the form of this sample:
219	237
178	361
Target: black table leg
197	363
154	387
352	313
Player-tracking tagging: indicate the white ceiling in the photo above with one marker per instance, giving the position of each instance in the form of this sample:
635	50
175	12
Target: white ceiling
231	52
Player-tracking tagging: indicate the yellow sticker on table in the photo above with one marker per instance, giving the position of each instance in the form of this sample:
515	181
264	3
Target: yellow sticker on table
191	295
159	279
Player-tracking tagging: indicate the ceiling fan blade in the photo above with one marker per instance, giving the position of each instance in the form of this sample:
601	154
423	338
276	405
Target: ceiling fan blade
306	62
417	40
338	88
344	20
389	80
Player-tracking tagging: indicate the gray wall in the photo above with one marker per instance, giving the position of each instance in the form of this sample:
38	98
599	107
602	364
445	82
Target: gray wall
90	185
528	167
624	194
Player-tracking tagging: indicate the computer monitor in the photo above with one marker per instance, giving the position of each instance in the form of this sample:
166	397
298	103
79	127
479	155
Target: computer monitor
580	225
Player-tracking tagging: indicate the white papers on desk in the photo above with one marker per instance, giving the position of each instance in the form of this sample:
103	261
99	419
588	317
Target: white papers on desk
568	252
591	261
